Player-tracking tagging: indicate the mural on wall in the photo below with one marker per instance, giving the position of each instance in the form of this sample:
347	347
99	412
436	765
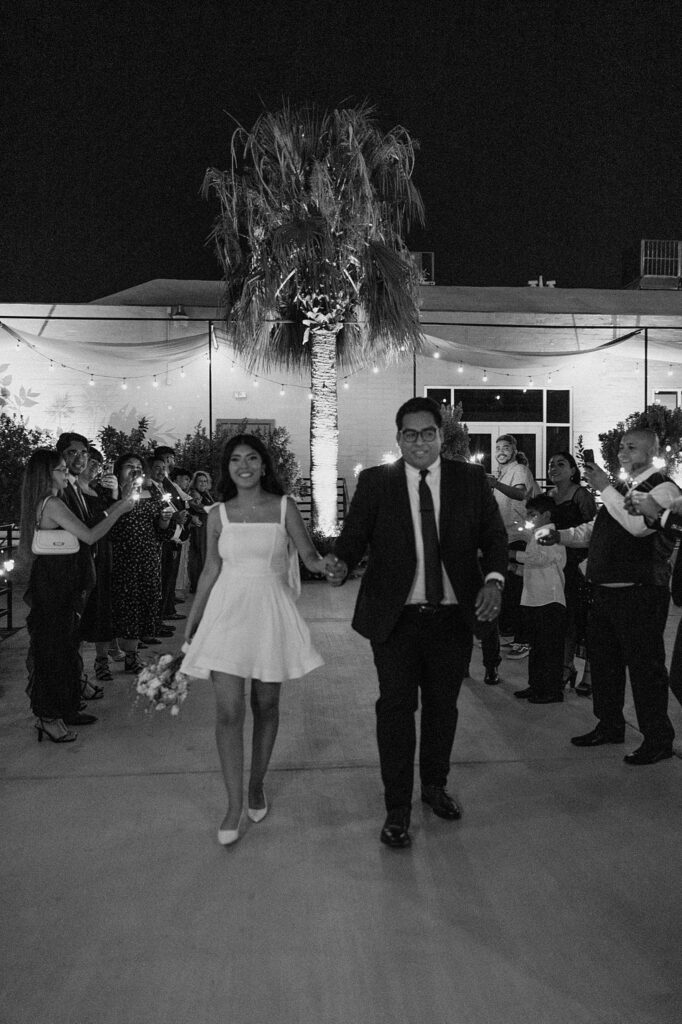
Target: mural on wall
15	402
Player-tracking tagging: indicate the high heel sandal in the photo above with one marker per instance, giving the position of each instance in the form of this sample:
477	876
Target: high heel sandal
102	670
89	691
65	737
228	836
132	662
258	813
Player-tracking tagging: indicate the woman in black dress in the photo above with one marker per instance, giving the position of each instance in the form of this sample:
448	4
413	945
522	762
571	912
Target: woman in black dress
97	624
56	596
574	505
136	562
202	499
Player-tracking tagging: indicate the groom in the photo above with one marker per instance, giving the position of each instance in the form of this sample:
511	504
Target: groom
424	521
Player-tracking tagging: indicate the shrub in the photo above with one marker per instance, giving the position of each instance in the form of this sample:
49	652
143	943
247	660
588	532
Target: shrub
667	423
455	433
17	441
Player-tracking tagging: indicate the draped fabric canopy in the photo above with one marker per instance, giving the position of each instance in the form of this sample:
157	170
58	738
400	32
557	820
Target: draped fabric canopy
498	327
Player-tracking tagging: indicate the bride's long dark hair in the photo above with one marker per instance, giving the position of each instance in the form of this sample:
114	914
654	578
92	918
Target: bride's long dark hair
36	485
270	482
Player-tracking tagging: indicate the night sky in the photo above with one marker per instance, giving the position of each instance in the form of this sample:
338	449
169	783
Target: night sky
549	132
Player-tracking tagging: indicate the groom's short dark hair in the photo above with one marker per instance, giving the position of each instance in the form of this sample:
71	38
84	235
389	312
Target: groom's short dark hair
418	405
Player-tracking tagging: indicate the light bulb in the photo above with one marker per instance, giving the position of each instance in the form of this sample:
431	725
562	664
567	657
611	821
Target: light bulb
282	391
436	355
460	368
182	371
155	382
485	376
375	369
124	385
91	382
346	385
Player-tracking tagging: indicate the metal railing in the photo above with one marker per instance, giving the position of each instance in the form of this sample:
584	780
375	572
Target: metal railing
660	258
6	555
304	499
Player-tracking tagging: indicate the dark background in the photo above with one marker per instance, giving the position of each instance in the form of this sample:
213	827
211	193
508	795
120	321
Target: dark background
549	132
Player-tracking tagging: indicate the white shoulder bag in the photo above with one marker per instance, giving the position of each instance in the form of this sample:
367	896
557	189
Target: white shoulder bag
52	542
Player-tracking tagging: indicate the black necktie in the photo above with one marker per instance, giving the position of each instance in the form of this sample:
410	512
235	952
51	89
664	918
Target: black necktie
433	574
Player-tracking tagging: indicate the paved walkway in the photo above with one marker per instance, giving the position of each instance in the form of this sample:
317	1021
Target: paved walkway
555	899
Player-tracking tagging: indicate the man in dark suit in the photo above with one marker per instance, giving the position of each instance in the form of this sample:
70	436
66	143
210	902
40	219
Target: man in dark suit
172	546
669	522
424	521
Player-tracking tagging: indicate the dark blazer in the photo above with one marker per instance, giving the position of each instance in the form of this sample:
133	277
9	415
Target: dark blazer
673	528
380	519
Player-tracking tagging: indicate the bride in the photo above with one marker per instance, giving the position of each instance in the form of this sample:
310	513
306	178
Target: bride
244	623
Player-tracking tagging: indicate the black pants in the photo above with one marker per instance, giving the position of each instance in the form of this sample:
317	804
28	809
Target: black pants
625	631
676	665
545	628
170	563
427	652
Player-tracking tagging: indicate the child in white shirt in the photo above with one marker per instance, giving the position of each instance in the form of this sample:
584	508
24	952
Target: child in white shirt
543	606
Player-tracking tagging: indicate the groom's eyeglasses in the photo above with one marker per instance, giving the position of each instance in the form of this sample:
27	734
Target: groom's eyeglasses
428	434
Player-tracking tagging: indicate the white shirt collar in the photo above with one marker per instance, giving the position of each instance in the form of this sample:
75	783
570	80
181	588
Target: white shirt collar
412	471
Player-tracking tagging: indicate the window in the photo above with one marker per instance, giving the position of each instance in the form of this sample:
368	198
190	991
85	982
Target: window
670	399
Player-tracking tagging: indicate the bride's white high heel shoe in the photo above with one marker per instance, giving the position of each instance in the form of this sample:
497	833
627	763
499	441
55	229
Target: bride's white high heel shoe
258	813
228	836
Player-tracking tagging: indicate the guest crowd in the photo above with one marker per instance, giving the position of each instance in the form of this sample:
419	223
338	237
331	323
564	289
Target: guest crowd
134	522
576	580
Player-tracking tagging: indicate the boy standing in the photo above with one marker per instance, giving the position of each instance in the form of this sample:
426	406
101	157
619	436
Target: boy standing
543	606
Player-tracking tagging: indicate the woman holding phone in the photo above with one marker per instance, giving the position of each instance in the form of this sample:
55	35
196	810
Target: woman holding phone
575	504
55	595
136	561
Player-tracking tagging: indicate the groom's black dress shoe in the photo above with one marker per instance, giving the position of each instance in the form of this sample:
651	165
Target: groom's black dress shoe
648	755
596	737
441	803
395	831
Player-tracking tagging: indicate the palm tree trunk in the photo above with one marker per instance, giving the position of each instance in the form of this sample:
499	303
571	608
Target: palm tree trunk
324	431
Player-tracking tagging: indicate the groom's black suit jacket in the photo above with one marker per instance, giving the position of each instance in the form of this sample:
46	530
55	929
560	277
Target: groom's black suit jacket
380	519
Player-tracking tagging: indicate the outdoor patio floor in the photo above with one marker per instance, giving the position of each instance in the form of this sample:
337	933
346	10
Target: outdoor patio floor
555	900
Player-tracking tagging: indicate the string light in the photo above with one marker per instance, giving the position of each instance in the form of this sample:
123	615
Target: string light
530	382
436	355
281	390
155	382
18	345
310	396
346	385
549	378
124	384
460	368
375	369
670	370
256	382
485	377
182	371
52	366
91	382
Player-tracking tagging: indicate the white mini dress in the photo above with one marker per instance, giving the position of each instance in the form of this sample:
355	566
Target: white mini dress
251	626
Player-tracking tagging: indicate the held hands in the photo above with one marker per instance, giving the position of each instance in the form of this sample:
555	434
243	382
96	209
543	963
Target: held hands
335	570
165	516
596	477
110	483
488	602
638	503
550	538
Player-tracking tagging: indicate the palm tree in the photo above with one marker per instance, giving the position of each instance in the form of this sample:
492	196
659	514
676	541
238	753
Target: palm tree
310	240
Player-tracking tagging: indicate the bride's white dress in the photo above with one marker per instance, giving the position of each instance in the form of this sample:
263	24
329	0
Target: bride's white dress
251	626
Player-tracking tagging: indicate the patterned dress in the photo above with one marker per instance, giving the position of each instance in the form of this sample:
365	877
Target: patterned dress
136	570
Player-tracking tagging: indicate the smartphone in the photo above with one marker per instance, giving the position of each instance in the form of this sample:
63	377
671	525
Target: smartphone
588	455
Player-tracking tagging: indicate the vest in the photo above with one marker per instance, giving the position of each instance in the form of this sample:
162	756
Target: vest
615	556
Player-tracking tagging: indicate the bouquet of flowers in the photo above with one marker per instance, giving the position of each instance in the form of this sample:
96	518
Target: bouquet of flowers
163	683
